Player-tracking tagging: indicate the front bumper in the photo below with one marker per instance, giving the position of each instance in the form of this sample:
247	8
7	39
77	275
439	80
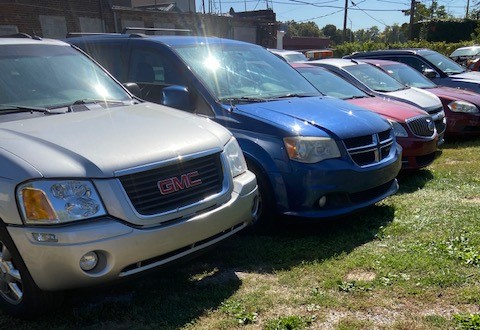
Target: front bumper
417	152
347	188
462	124
125	249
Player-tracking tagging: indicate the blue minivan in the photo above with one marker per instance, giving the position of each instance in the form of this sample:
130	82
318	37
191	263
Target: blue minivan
314	156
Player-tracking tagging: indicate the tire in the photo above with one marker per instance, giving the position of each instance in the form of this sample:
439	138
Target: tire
265	219
19	295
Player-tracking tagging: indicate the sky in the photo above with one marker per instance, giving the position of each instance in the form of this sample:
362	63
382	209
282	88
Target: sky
361	14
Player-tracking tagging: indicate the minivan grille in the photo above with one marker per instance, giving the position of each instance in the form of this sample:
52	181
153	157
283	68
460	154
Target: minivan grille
421	126
171	187
369	149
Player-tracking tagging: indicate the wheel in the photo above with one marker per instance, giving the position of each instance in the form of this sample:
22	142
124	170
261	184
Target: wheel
19	295
264	221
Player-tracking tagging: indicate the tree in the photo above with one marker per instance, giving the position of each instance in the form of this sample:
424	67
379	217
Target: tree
434	11
304	29
331	31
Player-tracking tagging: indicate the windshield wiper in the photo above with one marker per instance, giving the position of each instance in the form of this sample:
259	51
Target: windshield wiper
243	99
10	108
286	96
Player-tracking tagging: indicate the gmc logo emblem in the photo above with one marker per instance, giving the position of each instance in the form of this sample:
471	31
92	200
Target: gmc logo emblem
185	181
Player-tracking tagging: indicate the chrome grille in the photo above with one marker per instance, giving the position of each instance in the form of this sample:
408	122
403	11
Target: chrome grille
174	186
370	149
422	126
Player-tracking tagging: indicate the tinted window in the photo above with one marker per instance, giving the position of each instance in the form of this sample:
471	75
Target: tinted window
408	76
110	56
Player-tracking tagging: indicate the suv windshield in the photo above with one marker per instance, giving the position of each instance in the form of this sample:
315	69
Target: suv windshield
244	72
408	76
374	78
330	84
52	76
444	63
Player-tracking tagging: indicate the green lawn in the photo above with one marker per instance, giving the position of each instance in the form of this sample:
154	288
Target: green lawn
410	262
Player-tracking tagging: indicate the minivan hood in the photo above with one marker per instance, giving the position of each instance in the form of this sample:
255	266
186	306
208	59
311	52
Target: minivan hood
336	117
389	108
97	143
421	98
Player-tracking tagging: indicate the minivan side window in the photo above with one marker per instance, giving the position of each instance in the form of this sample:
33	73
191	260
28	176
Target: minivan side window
109	56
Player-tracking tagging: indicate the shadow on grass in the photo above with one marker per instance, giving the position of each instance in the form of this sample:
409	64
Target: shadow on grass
412	181
175	296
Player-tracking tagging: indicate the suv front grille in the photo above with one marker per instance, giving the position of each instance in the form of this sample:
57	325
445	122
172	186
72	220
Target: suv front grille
174	186
369	149
422	126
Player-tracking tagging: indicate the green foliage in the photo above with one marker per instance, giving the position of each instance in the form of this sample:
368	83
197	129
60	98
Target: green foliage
468	321
236	309
304	29
441	47
289	323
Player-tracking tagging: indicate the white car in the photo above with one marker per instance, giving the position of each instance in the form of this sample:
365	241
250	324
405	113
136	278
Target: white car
289	55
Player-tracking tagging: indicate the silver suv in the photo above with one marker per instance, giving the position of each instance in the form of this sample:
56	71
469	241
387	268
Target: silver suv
96	185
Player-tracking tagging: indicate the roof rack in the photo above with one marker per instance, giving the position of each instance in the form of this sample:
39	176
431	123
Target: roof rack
21	35
82	34
187	31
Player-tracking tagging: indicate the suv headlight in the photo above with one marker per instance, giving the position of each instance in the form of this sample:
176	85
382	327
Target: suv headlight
235	158
398	129
311	149
462	106
58	201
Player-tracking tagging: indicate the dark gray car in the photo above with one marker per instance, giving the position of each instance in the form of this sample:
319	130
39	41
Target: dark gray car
439	68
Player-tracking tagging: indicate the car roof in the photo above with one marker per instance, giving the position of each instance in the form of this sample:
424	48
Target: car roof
170	40
30	41
338	62
283	51
380	62
403	51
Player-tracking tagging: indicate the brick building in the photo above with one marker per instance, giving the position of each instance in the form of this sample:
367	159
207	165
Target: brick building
56	18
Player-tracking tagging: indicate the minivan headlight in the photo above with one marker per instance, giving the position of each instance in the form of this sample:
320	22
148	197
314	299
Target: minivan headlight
462	106
398	129
235	158
311	149
58	201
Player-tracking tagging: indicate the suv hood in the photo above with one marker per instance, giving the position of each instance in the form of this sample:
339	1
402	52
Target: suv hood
423	99
97	143
336	117
470	76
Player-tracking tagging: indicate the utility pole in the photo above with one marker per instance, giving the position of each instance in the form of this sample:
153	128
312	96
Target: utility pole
344	36
468	5
412	14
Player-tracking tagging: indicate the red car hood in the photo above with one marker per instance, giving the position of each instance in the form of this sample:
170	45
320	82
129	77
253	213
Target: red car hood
388	108
451	94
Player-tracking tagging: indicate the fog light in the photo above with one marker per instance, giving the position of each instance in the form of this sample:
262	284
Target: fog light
45	237
88	261
322	201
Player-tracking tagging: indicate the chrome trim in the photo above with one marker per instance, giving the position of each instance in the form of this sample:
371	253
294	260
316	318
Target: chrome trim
166	162
426	117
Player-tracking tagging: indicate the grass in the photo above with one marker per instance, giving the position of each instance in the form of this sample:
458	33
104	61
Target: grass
410	262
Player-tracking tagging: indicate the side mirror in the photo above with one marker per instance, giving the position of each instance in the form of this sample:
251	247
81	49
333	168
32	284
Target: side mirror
177	97
429	73
133	88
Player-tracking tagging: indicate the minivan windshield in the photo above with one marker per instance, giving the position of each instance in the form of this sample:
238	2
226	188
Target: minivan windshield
374	78
52	76
444	63
244	73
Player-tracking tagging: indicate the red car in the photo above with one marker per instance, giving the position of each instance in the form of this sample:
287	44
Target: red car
461	106
413	127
